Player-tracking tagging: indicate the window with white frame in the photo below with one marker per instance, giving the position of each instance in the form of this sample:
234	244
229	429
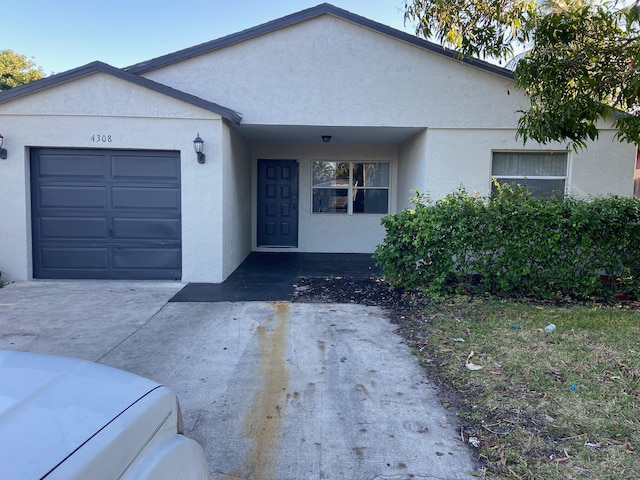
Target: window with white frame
544	174
350	187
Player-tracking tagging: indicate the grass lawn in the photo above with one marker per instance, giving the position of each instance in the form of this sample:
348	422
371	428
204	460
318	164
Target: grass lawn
559	405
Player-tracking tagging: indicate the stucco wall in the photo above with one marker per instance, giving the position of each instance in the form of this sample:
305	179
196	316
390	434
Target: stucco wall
59	118
237	203
327	71
439	161
412	169
359	233
100	95
463	157
605	167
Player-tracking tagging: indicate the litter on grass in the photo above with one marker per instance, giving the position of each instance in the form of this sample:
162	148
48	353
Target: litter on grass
470	365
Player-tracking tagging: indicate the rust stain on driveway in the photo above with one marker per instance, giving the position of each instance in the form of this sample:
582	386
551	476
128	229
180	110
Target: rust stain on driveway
263	421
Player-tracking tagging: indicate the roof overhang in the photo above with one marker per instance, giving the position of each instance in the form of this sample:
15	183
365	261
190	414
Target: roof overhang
339	134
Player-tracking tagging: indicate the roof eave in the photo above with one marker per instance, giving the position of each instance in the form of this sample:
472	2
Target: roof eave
100	67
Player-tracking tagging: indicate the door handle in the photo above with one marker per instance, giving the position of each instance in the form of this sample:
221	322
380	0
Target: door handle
294	202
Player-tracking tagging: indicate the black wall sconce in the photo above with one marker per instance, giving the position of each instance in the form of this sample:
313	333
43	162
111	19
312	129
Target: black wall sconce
3	151
326	138
198	145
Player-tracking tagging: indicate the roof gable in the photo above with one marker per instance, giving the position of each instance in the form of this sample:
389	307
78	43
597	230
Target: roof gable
331	71
301	16
99	67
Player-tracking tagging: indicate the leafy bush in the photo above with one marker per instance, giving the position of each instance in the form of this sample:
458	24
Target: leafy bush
515	243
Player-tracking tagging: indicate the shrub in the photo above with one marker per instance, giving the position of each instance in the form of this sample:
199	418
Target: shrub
515	243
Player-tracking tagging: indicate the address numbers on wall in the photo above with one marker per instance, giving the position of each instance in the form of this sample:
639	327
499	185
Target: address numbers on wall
101	138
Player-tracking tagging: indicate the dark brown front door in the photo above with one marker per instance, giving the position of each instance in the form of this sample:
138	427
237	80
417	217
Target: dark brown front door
277	203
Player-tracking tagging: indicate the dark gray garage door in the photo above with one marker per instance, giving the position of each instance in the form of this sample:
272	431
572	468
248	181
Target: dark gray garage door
110	214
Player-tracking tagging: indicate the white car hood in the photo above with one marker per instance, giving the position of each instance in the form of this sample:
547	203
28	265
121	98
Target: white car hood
50	406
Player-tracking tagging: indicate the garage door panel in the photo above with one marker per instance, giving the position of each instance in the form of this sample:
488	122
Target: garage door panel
75	167
74	258
147	258
146	228
73	228
106	214
150	167
76	197
142	197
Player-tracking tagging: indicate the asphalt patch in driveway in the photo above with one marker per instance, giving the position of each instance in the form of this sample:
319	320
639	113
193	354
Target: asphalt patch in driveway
276	277
237	292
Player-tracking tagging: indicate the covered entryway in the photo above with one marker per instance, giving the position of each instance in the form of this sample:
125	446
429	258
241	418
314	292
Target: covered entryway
105	214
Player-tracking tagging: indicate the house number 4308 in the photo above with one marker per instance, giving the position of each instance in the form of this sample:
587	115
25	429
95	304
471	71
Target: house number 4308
101	138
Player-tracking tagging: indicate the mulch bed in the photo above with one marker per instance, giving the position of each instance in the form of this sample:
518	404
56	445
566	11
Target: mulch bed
371	291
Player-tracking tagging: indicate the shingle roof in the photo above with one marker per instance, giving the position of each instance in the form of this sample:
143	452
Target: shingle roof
301	16
100	67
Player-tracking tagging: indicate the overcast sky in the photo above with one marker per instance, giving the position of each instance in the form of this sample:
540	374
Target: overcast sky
64	34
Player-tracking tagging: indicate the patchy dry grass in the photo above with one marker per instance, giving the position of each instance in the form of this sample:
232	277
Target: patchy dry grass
559	405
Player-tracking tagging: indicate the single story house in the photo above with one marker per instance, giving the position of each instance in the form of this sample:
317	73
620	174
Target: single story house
314	126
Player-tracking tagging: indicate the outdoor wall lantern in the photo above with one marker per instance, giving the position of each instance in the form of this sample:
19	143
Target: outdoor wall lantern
198	145
326	138
3	151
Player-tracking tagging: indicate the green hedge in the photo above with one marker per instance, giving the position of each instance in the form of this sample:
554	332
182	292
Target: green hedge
515	243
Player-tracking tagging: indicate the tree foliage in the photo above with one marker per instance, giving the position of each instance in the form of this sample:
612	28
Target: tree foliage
580	62
476	28
16	70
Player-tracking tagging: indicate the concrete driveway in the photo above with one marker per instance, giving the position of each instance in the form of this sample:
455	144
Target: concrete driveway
271	390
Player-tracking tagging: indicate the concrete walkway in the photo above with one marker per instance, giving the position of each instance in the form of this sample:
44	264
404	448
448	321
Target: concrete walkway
271	390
